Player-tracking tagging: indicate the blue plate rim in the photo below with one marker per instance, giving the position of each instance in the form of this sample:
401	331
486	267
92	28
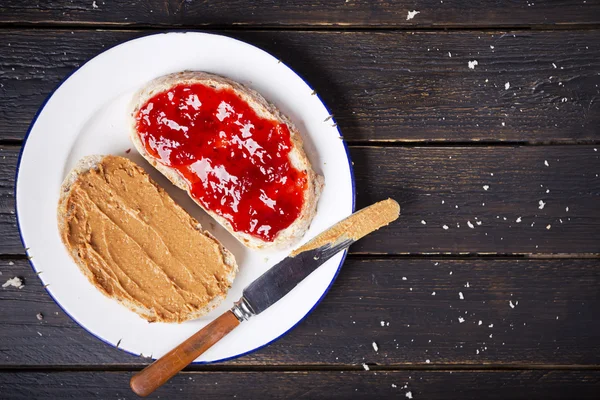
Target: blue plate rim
30	260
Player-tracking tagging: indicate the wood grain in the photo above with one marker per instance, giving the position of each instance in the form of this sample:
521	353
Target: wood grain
312	13
380	86
312	385
552	321
454	313
445	186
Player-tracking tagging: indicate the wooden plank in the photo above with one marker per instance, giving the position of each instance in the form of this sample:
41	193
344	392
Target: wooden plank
10	241
515	312
445	186
312	13
311	385
381	86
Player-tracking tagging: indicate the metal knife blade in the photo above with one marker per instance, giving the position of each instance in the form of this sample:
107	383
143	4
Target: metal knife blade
279	280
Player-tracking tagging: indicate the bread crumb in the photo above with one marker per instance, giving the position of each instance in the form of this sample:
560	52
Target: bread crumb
470	225
427	361
460	296
11	263
548	226
486	187
507	85
94	5
518	220
39	316
365	366
412	14
394	385
423	222
375	347
445	227
403	278
479	222
480	322
408	395
542	204
16	282
382	323
472	64
510	303
461	319
546	163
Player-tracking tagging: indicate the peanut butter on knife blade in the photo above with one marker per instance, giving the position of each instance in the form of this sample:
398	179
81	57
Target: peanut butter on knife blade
356	226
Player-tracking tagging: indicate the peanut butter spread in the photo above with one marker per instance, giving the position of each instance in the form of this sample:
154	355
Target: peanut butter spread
137	246
354	227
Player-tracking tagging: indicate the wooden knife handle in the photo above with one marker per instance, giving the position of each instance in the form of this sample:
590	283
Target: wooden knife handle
156	374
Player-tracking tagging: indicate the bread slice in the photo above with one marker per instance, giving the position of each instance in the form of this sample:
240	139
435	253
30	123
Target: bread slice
286	237
111	217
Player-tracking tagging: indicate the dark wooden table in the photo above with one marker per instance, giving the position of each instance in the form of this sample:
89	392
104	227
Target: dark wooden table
504	303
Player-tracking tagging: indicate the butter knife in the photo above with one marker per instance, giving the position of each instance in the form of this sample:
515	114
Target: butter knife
265	291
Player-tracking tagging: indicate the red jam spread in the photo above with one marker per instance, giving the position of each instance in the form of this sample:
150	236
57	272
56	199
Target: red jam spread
235	161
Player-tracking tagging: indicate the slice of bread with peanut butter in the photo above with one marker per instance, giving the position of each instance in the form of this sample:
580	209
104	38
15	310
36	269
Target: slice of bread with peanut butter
137	246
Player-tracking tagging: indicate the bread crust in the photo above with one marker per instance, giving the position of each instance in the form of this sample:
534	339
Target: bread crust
91	162
286	237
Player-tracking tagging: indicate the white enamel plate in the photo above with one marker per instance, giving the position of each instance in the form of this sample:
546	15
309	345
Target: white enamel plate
87	115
